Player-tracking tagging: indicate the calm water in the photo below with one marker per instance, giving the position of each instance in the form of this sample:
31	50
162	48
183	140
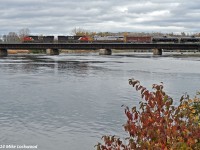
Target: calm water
69	101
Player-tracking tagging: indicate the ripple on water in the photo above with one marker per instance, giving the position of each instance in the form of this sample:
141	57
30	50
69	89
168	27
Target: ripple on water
59	101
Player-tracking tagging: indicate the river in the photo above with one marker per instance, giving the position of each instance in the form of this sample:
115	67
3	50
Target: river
68	102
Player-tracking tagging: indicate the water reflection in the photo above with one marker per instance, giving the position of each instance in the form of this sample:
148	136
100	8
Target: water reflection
32	65
59	101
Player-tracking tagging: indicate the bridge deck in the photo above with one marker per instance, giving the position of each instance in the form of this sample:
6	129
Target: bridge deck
93	46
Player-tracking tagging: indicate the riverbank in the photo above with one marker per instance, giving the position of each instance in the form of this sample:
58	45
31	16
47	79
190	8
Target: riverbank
18	51
79	51
42	51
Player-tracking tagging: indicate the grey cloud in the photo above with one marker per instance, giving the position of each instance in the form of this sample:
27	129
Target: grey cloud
61	16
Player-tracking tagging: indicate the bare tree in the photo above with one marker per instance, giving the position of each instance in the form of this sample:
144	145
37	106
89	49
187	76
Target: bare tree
24	32
12	37
183	34
78	31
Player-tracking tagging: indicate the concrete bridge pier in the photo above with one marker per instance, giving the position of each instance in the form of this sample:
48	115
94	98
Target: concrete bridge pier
52	51
157	51
3	52
105	52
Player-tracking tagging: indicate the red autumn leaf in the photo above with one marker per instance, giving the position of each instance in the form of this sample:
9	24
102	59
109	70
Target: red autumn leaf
129	115
143	89
136	116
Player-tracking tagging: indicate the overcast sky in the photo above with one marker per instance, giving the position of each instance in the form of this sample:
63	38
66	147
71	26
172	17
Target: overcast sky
61	16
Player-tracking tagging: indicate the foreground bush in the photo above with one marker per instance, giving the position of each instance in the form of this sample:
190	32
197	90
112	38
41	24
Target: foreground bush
158	124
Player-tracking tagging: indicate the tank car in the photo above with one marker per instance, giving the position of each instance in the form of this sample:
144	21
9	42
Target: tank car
165	39
190	39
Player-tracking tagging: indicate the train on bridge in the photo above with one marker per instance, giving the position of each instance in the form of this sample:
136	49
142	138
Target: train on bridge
109	39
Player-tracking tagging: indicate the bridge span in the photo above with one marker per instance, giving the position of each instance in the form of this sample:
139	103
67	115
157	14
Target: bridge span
105	48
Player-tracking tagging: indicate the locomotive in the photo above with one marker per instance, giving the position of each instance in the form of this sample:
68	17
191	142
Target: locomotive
38	39
51	39
109	39
72	39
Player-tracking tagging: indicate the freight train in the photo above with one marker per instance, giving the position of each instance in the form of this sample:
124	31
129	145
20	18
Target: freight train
109	39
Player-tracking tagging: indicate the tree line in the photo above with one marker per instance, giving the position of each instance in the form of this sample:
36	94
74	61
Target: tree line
80	32
14	37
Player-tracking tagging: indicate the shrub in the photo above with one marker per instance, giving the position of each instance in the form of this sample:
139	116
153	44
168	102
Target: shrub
158	124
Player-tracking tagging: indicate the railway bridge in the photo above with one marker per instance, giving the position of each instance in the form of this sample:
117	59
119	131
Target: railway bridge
105	48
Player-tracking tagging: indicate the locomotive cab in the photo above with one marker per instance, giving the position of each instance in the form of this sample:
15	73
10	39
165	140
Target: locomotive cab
27	39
